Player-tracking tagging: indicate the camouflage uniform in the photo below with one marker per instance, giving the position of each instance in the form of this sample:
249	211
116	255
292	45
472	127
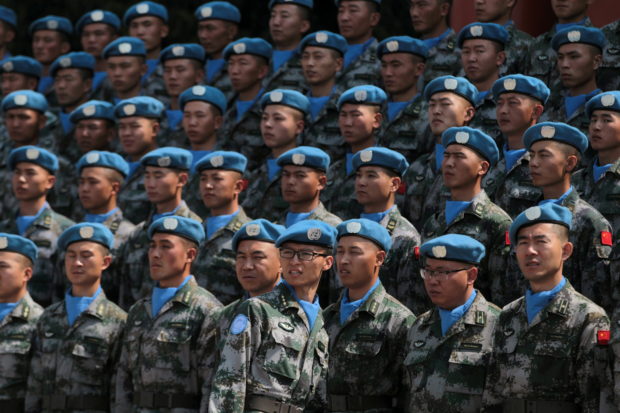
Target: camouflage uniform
320	213
222	82
158	365
73	367
443	59
192	197
155	87
339	194
263	198
615	318
132	265
169	136
132	198
446	373
419	178
554	359
276	358
370	343
16	334
485	119
324	131
288	76
516	50
555	112
365	70
214	266
608	76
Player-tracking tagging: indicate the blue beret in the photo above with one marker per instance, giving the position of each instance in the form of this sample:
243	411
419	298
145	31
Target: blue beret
33	154
24	99
402	44
93	109
168	157
383	157
86	231
487	31
247	45
579	34
365	228
20	245
103	159
218	10
8	16
337	2
325	39
363	95
559	132
260	230
57	23
305	156
286	97
549	212
74	60
475	139
146	8
454	247
208	94
228	160
604	101
143	106
183	227
183	51
22	64
125	46
309	231
456	85
525	85
306	3
98	16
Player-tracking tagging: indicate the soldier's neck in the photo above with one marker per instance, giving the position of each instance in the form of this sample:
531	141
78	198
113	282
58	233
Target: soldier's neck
366	143
465	193
405	96
105	208
262	291
250	93
358	293
306	293
546	284
276	152
174	103
360	39
573	19
30	208
309	206
227	209
87	290
135	157
289	44
558	189
436	31
378	207
501	20
132	93
169	205
175	280
207	145
584	88
100	64
13	298
487	84
515	141
153	53
324	89
607	157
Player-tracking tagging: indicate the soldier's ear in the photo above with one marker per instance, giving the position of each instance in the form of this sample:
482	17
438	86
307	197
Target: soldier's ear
380	257
107	261
567	250
165	30
395	182
322	181
484	167
27	273
501	58
472	275
339	64
470	112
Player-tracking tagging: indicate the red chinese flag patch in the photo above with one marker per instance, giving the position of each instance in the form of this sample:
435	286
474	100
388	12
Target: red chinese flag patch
606	238
402	189
416	252
603	337
507	237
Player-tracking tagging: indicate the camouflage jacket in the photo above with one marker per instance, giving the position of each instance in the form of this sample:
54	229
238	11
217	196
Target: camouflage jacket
132	198
419	178
16	334
320	213
615	318
192	197
159	352
608	76
365	70
446	373
288	76
443	59
555	358
324	131
214	266
276	355
370	343
339	194
485	119
516	51
154	85
263	198
555	112
169	136
222	82
75	361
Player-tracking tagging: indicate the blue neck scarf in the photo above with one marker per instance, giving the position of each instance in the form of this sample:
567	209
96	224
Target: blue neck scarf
99	218
453	208
536	302
317	104
348	307
151	65
133	166
272	168
512	156
439	150
434	41
599	171
279	57
198	155
508	24
349	162
295	217
213	67
572	103
377	216
449	317
394	108
559	200
77	305
166	214
175	116
161	296
215	223
562	26
67	125
311	309
24	221
45	82
6	308
355	50
245	105
98	79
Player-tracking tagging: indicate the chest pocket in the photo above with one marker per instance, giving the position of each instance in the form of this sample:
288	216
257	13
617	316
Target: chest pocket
415	368
174	341
365	346
552	361
14	358
90	357
466	371
282	358
49	348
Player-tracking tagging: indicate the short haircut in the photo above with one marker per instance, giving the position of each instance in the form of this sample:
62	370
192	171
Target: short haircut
562	232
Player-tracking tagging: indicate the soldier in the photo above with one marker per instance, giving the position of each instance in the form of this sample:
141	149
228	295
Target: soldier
8	21
608	77
367	327
275	354
288	22
165	174
125	65
550	346
77	340
579	51
322	56
449	346
158	367
359	117
482	56
18	317
555	150
248	64
520	102
94	130
221	182
19	73
599	182
356	21
282	121
402	65
218	24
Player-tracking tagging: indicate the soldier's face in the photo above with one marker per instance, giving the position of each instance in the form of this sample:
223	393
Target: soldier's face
218	187
549	163
461	167
71	89
23	125
577	64
481	60
181	74
170	258
163	184
84	263
374	186
358	122
446	109
286	24
604	131
566	10
358	260
47	45
96	190
304	274
301	184
214	35
95	37
93	134
492	10
137	135
16	81
7	34
31	181
515	113
453	290
258	266
320	65
15	271
356	19
540	252
280	125
125	72
200	121
400	72
150	29
246	71
426	15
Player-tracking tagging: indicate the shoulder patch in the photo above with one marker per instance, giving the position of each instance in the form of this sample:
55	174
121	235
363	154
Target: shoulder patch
606	238
603	337
239	324
481	318
507	237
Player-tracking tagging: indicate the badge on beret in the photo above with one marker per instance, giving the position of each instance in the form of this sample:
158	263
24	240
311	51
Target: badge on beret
129	109
32	153
321	37
4	242
92	157
354	227
206	12
65	62
199	90
171	223
314	234
142	8
89	110
439	251
608	100
124	47
299	158
392	46
476	31
8	66
164	161
239	48
52	24
238	324
533	213
178	50
276	96
20	100
450	84
252	230
574	36
217	161
366	156
510	84
87	232
461	137
360	95
96	16
547	131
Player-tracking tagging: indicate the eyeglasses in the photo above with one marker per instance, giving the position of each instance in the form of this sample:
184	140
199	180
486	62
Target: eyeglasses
289	254
440	275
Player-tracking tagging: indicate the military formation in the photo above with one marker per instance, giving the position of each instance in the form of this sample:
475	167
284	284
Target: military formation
326	222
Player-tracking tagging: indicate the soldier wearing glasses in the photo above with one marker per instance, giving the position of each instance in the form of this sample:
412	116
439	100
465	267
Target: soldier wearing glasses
450	345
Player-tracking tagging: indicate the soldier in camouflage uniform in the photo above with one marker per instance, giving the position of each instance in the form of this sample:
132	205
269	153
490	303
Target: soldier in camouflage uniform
615	318
550	346
449	346
125	65
367	327
158	368
608	76
275	354
77	341
18	317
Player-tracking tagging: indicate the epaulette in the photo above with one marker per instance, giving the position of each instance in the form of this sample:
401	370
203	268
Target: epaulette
480	317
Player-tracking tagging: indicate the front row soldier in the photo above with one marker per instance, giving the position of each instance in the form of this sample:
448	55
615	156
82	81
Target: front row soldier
449	347
158	368
551	346
367	327
18	317
274	357
77	340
